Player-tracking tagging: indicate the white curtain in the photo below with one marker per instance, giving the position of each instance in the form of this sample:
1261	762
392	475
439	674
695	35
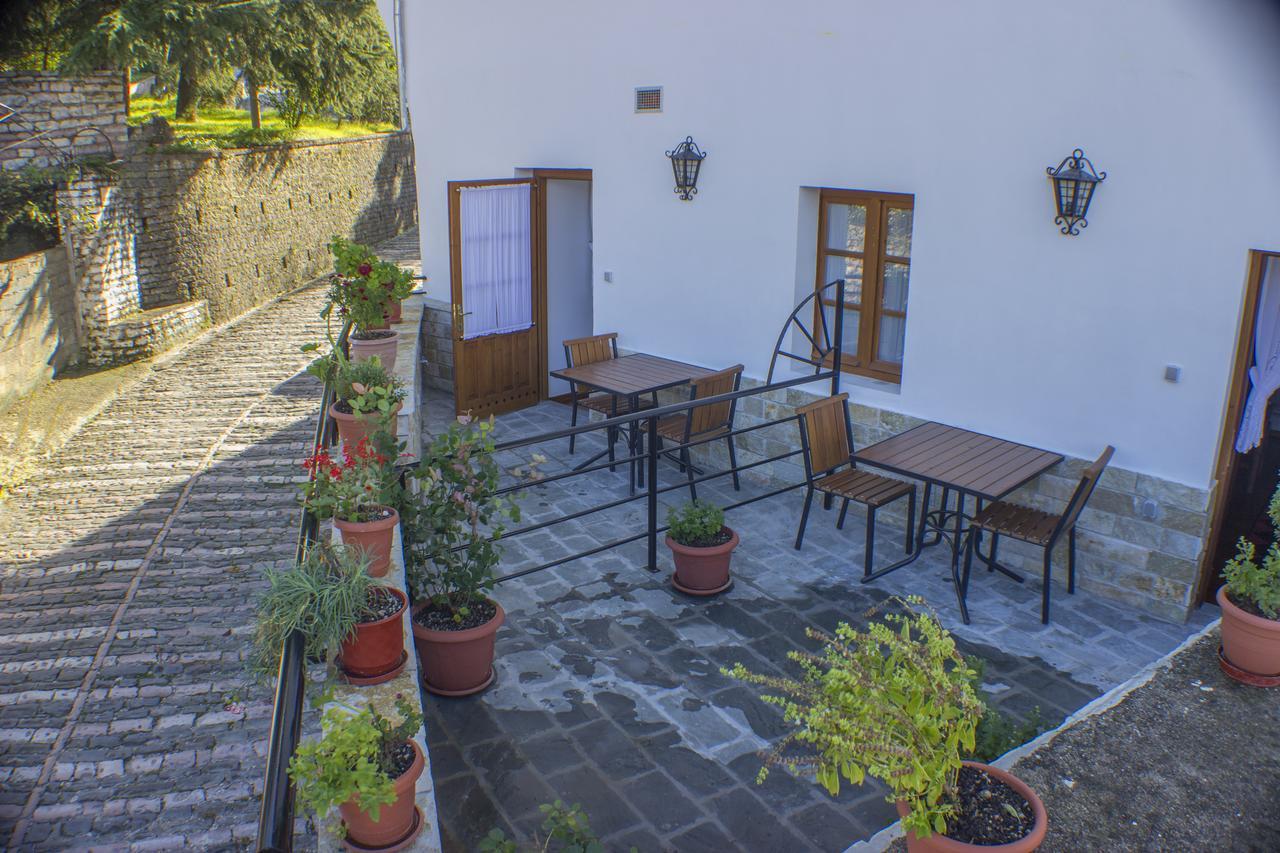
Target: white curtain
497	267
1264	376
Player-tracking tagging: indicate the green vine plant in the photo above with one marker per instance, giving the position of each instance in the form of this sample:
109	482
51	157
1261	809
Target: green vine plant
356	756
324	596
452	520
894	701
567	826
1252	585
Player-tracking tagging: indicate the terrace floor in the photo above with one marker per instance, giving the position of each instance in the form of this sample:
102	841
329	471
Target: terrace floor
608	690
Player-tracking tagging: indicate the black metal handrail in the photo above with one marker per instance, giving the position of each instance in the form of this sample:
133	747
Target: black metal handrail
275	821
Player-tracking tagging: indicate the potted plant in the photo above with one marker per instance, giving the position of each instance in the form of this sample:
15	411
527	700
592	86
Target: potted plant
1250	602
368	766
356	493
341	611
363	289
701	547
453	520
367	398
896	702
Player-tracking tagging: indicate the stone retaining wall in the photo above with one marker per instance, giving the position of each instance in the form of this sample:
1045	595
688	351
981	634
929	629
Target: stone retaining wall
437	345
60	107
37	322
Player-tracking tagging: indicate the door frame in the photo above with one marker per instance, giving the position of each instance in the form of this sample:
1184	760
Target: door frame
1227	458
455	274
540	178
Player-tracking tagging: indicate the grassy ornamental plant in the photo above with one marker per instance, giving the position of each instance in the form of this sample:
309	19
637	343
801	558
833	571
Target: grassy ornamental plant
894	702
363	287
1254	585
351	489
325	596
357	756
696	524
450	521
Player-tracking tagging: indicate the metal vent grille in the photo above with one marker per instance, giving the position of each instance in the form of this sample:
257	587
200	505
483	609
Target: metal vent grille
649	99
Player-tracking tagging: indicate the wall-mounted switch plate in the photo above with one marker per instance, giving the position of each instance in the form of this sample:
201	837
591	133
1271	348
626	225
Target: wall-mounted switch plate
608	276
1172	373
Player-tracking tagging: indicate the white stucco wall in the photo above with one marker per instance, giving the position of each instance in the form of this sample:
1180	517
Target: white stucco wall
1014	329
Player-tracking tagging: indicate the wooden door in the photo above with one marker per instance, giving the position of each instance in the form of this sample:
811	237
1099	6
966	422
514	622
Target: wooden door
500	371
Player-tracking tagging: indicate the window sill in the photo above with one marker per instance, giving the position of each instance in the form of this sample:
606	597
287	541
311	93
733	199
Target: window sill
857	379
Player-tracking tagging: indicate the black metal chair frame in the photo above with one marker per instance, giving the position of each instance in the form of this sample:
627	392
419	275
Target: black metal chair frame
1066	524
574	395
911	545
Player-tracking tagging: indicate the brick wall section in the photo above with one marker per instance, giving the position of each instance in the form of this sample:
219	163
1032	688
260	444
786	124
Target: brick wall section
437	345
61	106
151	332
235	228
37	322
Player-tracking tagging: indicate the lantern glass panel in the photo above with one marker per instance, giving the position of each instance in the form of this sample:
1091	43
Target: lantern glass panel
1066	195
1083	194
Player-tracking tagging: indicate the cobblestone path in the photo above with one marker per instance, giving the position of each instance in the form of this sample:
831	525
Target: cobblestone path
129	570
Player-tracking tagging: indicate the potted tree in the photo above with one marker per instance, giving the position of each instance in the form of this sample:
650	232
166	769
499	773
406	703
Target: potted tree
701	547
341	611
453	520
1250	602
356	493
368	766
363	289
896	702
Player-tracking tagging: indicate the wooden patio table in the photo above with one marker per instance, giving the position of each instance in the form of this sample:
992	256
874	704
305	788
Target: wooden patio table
631	376
960	461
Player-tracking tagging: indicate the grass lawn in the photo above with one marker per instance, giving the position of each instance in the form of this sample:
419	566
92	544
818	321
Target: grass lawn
215	126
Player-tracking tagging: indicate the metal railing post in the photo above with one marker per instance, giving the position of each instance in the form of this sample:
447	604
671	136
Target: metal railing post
837	364
651	463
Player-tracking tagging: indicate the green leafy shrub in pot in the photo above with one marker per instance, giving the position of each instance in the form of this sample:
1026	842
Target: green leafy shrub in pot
357	759
1255	586
324	596
363	287
367	388
894	701
696	524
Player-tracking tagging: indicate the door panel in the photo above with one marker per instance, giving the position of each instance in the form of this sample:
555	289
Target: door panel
500	372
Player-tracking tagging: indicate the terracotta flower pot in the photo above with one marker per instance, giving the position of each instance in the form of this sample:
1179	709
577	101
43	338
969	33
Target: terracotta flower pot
1031	841
384	348
703	570
373	537
1250	642
375	653
394	311
353	427
396	820
457	663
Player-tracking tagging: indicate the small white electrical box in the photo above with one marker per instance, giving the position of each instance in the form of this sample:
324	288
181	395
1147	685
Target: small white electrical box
608	276
1172	373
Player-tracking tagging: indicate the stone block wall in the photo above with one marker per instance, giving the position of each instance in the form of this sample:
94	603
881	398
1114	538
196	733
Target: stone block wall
60	107
235	228
437	345
37	322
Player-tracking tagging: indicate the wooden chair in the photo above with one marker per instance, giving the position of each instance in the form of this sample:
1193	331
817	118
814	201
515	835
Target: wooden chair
705	422
826	437
589	350
1036	527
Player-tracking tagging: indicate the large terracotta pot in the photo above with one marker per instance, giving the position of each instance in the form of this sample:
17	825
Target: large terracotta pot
383	348
353	427
703	571
374	654
396	820
457	663
1251	643
373	537
1031	841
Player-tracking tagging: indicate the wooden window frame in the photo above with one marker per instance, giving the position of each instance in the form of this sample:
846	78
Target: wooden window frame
864	362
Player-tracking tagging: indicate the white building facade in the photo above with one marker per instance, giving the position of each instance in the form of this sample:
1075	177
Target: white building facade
949	113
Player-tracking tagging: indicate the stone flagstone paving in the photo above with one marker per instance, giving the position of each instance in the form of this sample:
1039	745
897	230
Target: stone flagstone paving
608	691
130	566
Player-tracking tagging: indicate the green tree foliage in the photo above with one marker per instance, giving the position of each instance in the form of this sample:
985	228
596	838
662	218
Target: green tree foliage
38	33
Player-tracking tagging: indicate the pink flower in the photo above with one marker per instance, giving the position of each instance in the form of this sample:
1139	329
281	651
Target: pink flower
364	269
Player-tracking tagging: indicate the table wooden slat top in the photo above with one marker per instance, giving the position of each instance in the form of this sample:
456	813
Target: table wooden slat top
628	375
961	459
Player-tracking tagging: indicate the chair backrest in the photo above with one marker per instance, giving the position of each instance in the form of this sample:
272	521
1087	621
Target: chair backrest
1088	482
706	418
589	350
825	432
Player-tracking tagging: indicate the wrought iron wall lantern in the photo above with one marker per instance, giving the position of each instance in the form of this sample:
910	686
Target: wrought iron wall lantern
686	161
1073	184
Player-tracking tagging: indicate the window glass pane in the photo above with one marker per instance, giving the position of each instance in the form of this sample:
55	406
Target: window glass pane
849	269
895	286
849	331
847	227
898	239
893	332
